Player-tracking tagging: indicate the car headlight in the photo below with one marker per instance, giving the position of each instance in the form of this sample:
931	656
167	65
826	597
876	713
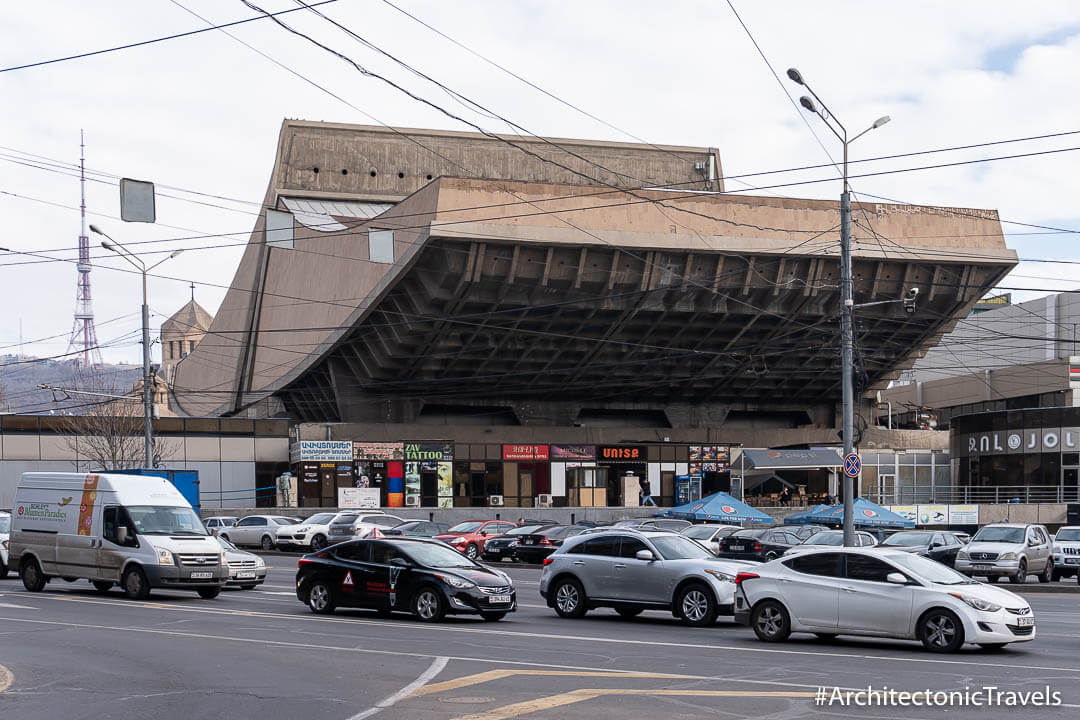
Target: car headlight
455	581
301	529
977	603
224	560
721	576
961	555
457	540
1007	556
259	562
164	557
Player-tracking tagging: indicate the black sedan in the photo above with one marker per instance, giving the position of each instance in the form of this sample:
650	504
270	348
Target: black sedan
763	544
502	546
416	528
936	545
417	575
537	546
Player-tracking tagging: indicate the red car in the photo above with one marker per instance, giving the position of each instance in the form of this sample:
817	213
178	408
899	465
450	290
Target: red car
469	537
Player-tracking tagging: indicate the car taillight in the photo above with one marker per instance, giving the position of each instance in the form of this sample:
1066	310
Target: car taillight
757	546
745	576
308	559
549	560
544	541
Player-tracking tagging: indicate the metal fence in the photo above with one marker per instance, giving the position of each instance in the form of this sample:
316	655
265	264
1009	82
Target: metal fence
972	495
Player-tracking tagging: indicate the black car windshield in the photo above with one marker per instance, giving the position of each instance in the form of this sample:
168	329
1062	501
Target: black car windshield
679	547
525	530
557	531
825	538
907	539
158	520
466	527
1064	534
999	534
5	523
437	556
700	532
746	533
930	570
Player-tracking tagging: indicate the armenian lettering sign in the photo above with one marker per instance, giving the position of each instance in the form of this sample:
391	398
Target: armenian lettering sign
621	453
525	452
322	451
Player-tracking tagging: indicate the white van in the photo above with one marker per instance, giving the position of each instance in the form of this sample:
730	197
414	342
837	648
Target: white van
134	530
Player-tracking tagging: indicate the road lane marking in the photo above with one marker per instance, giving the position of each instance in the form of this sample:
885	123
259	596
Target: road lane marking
490	675
436	667
576	696
17	607
6	678
398	625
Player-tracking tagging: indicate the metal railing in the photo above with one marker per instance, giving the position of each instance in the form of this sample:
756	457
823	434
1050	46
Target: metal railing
975	495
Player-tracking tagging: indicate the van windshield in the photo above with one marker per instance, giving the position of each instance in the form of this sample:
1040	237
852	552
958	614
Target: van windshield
156	520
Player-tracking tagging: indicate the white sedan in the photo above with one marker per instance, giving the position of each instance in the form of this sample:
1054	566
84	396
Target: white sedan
831	538
879	593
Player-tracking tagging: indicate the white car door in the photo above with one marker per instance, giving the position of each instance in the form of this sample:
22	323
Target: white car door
869	603
811	590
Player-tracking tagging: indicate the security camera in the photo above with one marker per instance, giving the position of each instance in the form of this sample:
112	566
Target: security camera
909	300
913	293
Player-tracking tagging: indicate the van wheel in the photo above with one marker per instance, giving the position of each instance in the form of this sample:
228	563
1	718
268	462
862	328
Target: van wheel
267	542
209	593
32	578
102	586
134	583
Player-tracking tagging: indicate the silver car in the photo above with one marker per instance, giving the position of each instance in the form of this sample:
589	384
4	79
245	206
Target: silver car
257	530
634	570
1066	552
1012	550
246	570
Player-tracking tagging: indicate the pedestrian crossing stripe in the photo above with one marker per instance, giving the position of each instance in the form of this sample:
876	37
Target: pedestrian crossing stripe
348	579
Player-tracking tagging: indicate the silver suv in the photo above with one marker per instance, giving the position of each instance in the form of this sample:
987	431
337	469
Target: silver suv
635	570
1012	550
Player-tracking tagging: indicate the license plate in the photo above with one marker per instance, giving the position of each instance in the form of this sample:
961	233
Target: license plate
201	575
983	565
505	599
1072	561
528	542
737	548
245	575
1025	621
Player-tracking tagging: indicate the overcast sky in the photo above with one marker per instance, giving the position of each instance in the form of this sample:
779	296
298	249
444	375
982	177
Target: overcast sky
202	113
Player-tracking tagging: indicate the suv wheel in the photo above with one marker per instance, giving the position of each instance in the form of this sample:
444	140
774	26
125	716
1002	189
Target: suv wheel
941	631
696	605
770	621
569	598
318	543
1048	574
1021	573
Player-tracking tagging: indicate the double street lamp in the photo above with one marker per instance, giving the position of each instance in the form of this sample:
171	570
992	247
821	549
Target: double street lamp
148	402
847	303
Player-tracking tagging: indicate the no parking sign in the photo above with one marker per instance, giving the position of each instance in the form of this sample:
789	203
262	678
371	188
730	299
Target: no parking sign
852	465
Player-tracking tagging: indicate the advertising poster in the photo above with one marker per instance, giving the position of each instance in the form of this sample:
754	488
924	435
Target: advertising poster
933	515
446	480
908	512
412	481
573	452
365	498
963	514
709	458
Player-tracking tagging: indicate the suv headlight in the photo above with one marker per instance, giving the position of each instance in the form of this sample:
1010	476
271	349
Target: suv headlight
301	529
1007	556
164	557
977	603
455	581
961	555
721	576
223	560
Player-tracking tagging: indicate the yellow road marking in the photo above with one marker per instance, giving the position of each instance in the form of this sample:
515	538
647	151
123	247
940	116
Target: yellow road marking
467	680
6	678
575	696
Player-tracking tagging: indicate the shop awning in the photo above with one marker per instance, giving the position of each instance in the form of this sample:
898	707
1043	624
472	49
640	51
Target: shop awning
791	459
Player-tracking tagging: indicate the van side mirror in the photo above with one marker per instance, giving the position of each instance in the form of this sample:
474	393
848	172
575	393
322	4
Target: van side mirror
122	535
645	555
896	578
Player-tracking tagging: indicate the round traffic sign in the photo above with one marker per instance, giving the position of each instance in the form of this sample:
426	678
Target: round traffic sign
852	465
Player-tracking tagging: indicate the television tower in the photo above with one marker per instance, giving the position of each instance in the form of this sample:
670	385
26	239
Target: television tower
83	335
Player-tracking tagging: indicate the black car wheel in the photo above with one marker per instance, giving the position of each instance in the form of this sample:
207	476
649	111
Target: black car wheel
471	552
318	543
320	598
428	604
267	542
1021	573
770	556
209	593
134	583
102	586
569	598
770	621
941	631
493	617
696	605
1048	572
32	578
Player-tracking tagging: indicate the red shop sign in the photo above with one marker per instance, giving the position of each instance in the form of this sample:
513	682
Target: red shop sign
525	452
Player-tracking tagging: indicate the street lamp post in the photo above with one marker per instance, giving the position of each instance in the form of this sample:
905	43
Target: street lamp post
148	402
847	303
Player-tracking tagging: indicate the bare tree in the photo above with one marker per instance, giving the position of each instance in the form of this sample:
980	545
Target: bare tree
109	434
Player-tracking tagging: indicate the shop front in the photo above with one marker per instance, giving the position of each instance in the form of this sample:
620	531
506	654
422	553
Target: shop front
626	465
322	466
429	472
381	466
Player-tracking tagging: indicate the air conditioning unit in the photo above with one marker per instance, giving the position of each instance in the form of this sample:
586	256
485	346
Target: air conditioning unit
495	500
412	501
543	501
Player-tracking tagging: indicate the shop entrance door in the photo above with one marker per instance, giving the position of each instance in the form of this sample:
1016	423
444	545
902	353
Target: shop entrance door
1070	485
429	485
667	488
886	490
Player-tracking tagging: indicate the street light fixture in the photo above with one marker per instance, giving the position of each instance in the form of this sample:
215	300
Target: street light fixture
847	304
148	404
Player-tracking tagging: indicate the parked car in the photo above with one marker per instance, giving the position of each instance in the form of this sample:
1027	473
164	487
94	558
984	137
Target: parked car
256	531
416	528
533	548
668	524
246	570
802	531
1066	552
831	538
934	544
881	593
760	544
500	548
356	524
311	534
469	537
417	575
215	524
709	534
1013	550
5	541
963	537
633	570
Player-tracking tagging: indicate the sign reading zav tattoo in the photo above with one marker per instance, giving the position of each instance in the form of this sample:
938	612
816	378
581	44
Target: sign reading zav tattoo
1019	442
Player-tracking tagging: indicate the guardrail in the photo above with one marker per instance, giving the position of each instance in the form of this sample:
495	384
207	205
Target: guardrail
975	495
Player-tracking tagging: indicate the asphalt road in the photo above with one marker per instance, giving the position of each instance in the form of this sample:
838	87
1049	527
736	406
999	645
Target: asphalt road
71	653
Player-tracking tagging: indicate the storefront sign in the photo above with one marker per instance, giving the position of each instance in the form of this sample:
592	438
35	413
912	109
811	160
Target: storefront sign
437	451
963	514
378	451
932	515
1013	442
573	452
366	498
309	472
321	451
525	452
621	453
